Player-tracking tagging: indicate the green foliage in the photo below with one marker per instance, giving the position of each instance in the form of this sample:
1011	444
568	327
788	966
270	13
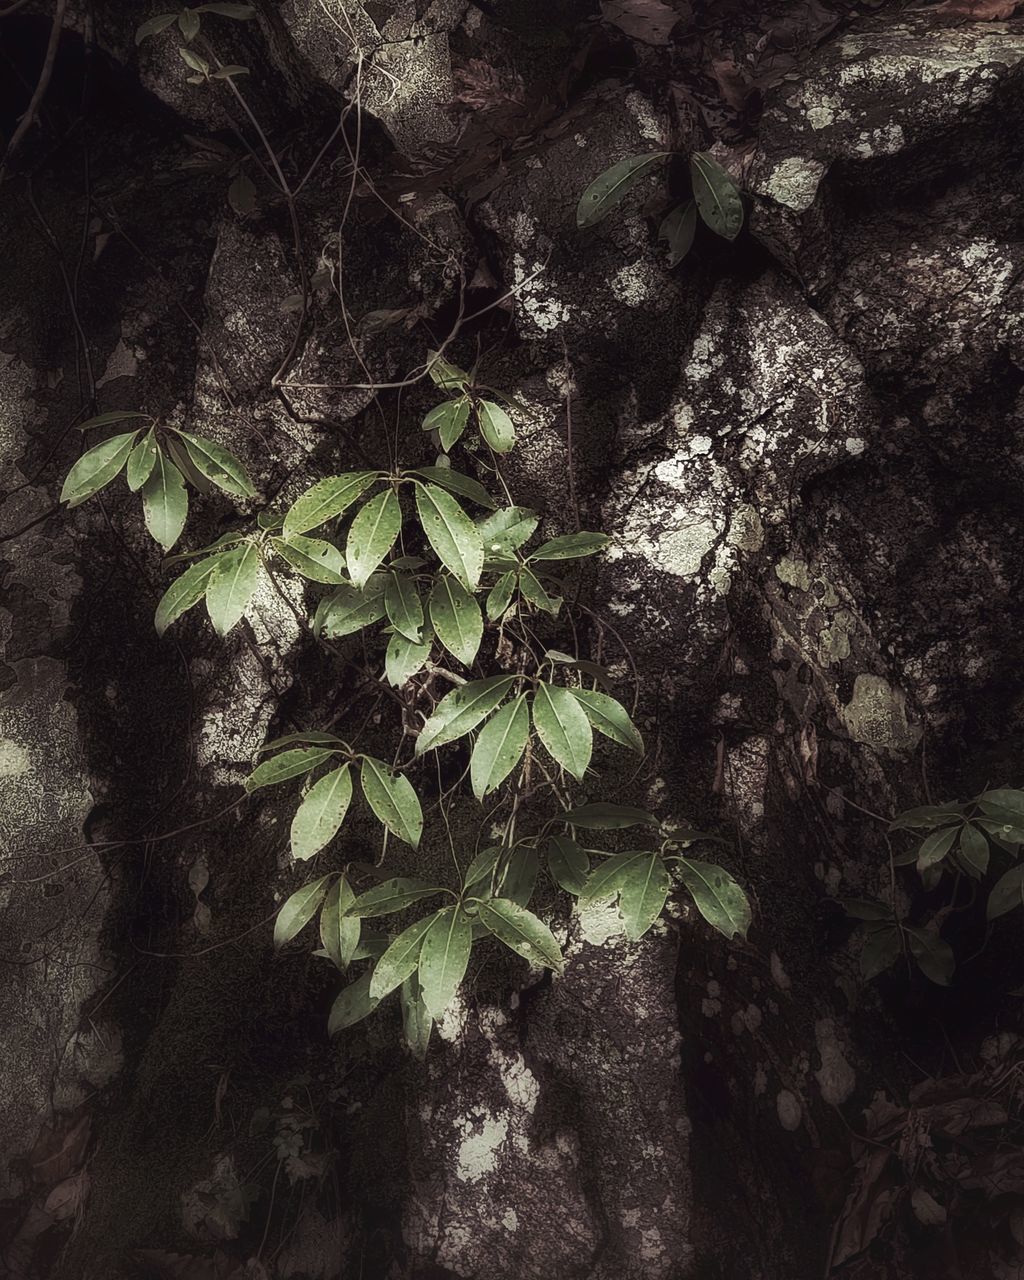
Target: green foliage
953	841
716	199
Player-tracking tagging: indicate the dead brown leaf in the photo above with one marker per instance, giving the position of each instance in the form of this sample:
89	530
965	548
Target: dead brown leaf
59	1149
649	21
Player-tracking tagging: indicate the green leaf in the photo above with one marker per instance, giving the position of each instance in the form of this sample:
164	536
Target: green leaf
392	799
153	26
348	609
521	931
232	586
456	618
298	910
447	376
242	191
179	456
608	817
240	12
456	482
506	530
188	22
610	718
719	899
219	465
935	847
287	765
326	499
444	957
313	558
563	727
880	951
372	535
321	813
339	932
571	546
478	880
401	958
194	61
417	1023
403	659
1003	800
529	585
934	957
495	426
141	461
462	710
449	421
678	228
390	896
519	877
500	596
974	851
112	416
607	190
1007	893
864	909
643	889
927	816
352	1005
717	196
568	864
311	737
95	469
451	533
165	502
184	592
403	605
606	879
499	747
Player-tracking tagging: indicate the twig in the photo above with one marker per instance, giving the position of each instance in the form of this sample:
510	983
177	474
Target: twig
28	119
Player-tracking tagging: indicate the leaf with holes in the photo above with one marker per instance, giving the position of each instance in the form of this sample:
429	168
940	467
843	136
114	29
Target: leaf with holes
443	374
611	187
568	864
1007	893
717	196
339	932
935	847
403	605
500	596
643	891
522	932
326	499
563	727
184	592
449	421
678	227
349	609
530	586
417	1023
451	533
392	799
298	910
608	817
95	469
462	710
500	747
609	718
403	659
934	957
506	530
232	585
321	813
571	546
390	896
444	957
372	535
719	899
495	426
165	502
456	619
287	765
141	461
153	26
606	879
219	465
313	558
973	853
456	482
352	1005
401	958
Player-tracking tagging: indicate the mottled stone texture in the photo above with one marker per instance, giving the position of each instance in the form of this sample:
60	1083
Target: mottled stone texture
807	450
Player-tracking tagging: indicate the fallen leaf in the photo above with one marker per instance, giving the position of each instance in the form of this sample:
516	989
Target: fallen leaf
59	1150
649	21
68	1197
